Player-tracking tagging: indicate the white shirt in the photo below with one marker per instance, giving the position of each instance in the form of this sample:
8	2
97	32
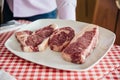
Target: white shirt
26	8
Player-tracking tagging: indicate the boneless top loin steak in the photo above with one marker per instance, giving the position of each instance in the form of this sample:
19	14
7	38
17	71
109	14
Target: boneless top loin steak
61	38
37	40
81	45
73	47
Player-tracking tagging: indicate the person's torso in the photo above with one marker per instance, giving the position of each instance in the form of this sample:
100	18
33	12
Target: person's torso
26	8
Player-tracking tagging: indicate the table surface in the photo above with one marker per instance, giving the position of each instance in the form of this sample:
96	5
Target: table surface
107	69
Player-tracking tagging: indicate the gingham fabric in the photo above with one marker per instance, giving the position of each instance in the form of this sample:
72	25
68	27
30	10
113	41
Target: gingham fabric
107	69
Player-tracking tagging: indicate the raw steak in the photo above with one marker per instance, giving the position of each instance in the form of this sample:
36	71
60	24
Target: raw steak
82	45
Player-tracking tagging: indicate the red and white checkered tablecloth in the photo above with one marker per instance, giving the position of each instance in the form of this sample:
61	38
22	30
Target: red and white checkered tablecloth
107	69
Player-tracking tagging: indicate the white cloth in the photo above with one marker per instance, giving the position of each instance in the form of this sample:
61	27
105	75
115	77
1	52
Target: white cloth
6	76
26	8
